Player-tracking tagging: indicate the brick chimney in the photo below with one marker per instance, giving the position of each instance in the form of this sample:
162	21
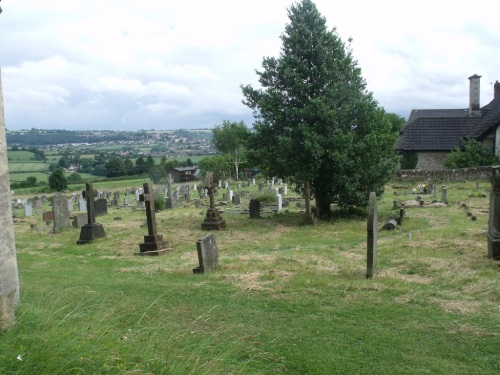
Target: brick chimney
474	91
496	89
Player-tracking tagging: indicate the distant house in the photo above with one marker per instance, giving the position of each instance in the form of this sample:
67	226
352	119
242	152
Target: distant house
184	174
434	133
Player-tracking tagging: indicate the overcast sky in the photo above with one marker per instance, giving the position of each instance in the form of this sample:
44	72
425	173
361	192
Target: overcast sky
162	64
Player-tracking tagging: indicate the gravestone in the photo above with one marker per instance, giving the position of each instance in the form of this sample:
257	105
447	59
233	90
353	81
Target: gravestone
254	208
48	216
61	213
154	244
213	220
494	218
100	207
113	202
82	205
126	200
401	215
208	256
79	220
92	230
285	189
279	199
444	194
225	197
28	210
197	203
70	205
261	187
371	259
236	199
9	278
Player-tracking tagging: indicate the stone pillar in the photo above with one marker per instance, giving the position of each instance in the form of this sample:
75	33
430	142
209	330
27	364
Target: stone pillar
494	220
9	279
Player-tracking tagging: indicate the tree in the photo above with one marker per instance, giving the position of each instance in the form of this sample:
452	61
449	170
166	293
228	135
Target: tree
316	123
397	122
471	154
74	177
115	167
157	174
230	138
57	180
220	165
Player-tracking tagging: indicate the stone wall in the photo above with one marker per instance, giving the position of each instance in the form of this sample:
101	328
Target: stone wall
431	160
442	175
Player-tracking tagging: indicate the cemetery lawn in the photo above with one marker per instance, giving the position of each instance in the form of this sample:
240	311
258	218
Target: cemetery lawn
287	298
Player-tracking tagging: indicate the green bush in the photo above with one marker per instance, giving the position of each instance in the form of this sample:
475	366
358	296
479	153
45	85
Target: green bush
159	203
471	154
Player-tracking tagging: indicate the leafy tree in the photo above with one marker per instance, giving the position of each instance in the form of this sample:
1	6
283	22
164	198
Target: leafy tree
99	170
74	177
409	160
31	181
150	162
86	165
129	167
140	166
230	138
397	122
471	154
57	180
115	167
316	122
63	162
100	159
220	165
157	174
189	162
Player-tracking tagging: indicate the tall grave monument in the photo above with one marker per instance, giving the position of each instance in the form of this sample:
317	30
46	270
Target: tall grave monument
9	279
92	230
154	244
371	247
213	220
494	219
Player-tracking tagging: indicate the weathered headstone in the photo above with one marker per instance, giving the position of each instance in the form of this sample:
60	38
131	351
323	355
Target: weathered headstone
82	205
236	199
444	195
79	220
371	259
61	213
261	186
494	218
48	216
70	205
100	207
92	230
401	215
197	203
9	278
254	208
279	200
208	256
213	220
154	244
28	210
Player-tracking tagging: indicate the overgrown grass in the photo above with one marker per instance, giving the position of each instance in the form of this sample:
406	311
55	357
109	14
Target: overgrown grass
287	298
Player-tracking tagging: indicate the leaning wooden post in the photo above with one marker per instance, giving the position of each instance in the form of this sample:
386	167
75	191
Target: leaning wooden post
9	278
371	248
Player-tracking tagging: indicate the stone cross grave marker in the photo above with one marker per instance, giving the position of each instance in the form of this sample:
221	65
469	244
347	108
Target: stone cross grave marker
213	220
154	244
61	213
494	219
208	256
371	259
92	230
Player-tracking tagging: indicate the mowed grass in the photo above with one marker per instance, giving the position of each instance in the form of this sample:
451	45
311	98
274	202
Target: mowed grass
287	298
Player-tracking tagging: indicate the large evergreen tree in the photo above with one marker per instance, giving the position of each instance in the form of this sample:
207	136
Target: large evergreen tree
58	181
315	120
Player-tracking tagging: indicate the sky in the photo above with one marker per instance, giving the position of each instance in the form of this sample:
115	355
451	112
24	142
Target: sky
163	64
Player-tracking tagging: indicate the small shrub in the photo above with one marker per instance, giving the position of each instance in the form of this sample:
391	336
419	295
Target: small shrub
159	203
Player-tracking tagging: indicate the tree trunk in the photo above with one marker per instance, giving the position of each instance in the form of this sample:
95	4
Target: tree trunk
323	201
308	217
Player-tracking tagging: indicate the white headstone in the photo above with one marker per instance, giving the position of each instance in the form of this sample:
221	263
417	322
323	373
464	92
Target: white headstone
280	202
28	210
285	190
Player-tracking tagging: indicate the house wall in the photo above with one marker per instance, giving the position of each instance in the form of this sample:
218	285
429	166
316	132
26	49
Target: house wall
431	160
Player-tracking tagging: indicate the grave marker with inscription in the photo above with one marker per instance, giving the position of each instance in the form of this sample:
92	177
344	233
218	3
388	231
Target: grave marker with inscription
208	256
213	220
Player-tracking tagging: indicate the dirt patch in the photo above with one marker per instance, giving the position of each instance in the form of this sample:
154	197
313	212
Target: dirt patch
461	307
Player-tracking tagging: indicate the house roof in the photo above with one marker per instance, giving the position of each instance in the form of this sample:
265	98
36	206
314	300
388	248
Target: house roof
489	120
434	134
444	129
416	113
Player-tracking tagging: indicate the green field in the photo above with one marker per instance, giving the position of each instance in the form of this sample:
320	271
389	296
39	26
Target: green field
286	299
